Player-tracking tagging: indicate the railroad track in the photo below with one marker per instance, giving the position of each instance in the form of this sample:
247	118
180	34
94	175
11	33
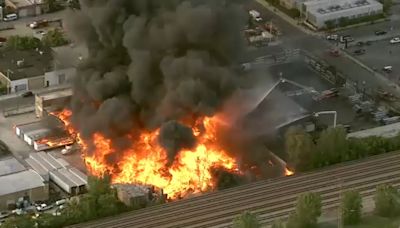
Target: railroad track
271	199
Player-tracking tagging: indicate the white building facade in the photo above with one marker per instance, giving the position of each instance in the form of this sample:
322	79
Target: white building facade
318	12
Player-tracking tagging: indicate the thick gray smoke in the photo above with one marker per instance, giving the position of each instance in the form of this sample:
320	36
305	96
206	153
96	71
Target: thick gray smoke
152	63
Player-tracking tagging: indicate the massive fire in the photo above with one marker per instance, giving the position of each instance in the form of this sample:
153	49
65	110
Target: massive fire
146	161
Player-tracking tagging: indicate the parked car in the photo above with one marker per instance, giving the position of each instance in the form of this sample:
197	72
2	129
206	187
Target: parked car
387	69
395	40
332	37
10	17
44	207
380	33
61	202
359	52
4	214
27	94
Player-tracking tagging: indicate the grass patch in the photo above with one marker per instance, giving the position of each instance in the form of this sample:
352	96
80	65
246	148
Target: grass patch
377	222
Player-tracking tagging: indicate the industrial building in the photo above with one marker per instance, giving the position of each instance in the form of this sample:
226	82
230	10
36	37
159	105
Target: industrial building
137	195
45	134
317	13
58	171
16	181
32	70
27	8
50	101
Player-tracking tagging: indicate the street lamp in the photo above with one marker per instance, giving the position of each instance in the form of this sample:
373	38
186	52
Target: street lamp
317	114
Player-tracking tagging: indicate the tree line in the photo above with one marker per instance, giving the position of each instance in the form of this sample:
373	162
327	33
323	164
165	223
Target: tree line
53	38
100	201
309	208
307	152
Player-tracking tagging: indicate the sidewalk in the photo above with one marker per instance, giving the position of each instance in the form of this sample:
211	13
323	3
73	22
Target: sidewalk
288	19
48	89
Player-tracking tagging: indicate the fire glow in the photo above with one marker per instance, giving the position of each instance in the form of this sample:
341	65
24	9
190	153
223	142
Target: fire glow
145	162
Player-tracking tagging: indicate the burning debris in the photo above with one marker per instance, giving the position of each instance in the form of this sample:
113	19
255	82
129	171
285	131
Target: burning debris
146	99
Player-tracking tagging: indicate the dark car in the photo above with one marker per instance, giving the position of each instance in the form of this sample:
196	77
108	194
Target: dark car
359	52
380	32
27	94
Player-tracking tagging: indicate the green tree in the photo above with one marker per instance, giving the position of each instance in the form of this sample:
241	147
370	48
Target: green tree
387	5
246	220
387	201
278	224
343	21
19	222
308	209
50	221
23	43
54	38
332	146
53	5
351	207
300	147
330	24
74	4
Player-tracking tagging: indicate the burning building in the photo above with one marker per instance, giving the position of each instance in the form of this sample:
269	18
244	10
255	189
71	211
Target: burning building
45	134
149	102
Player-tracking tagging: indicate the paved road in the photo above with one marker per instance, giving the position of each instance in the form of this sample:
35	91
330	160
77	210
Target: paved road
15	102
380	54
270	200
20	24
293	38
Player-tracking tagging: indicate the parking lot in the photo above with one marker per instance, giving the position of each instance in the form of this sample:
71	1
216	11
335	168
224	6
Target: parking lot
299	72
379	54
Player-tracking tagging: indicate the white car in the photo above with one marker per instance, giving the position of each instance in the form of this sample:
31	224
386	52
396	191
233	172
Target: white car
395	40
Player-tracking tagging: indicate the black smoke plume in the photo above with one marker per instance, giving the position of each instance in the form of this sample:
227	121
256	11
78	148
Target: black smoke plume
152	63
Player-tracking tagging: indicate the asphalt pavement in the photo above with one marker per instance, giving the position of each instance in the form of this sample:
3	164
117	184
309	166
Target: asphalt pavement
293	37
380	54
15	102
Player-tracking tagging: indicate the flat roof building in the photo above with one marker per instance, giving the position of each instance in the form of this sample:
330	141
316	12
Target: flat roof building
32	70
16	181
51	101
59	171
318	12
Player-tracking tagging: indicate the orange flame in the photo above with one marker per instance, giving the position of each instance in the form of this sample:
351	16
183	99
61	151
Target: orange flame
288	172
145	162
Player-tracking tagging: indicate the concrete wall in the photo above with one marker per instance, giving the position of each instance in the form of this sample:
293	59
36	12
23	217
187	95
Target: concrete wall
36	194
36	83
59	77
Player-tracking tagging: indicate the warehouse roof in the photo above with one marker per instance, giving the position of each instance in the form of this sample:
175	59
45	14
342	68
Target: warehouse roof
10	165
20	181
17	64
330	7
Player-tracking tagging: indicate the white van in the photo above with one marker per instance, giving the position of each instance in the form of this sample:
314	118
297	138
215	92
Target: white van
10	17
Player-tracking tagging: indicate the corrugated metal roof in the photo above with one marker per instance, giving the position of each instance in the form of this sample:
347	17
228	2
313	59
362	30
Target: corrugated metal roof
49	159
20	181
62	178
30	126
42	162
72	177
10	165
38	168
79	174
